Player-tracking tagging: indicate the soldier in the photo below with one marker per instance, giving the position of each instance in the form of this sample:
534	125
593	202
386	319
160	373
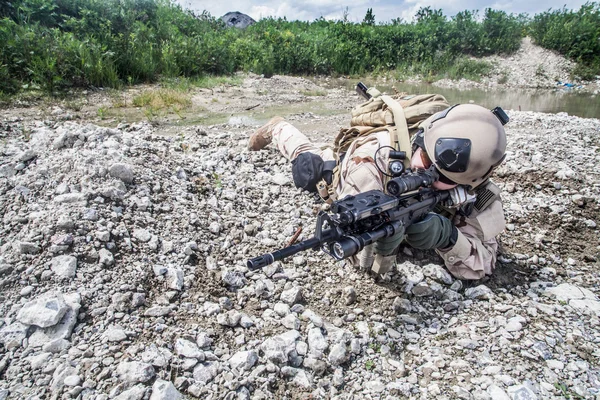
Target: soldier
465	143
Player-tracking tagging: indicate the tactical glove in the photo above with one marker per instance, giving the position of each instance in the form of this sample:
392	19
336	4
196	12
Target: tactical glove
388	245
433	232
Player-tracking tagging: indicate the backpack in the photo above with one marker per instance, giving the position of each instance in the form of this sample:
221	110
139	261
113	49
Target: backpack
401	115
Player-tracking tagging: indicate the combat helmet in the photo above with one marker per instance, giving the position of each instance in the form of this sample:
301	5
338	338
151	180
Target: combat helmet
466	142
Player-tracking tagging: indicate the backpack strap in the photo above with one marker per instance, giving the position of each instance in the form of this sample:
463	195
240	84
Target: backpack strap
399	135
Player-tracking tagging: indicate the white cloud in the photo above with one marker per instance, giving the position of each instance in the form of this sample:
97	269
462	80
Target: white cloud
384	10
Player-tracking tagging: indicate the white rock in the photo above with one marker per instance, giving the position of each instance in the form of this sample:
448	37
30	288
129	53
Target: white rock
135	393
189	349
243	360
64	266
497	393
292	296
174	278
521	392
338	354
122	171
479	292
205	372
12	335
135	371
164	390
105	258
72	380
142	235
44	311
115	334
317	342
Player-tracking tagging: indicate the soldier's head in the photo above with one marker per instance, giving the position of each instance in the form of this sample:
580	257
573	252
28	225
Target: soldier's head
465	142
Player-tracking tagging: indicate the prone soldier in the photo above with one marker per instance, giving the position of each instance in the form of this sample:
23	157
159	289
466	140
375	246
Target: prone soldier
464	143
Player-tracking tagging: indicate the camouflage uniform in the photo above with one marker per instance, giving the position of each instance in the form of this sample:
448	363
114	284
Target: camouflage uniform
474	254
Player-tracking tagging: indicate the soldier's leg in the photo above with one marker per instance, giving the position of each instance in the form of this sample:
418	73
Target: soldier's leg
289	140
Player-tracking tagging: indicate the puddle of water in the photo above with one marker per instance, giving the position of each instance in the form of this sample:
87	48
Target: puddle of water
549	101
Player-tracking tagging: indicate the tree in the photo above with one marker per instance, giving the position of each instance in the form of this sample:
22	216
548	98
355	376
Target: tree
369	17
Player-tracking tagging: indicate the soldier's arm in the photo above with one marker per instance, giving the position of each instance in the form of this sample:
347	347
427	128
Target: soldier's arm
474	254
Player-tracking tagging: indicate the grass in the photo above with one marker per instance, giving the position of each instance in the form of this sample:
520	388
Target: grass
161	98
185	84
466	68
155	103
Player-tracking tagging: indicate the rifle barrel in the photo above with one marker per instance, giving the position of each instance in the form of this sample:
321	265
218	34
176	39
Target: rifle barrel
269	258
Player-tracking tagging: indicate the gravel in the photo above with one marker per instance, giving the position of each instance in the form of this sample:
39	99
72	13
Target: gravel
123	273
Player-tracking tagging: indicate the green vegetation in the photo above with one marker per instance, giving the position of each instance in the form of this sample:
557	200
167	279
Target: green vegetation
51	45
575	34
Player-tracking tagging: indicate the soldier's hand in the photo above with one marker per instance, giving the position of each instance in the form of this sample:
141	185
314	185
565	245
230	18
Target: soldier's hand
387	246
432	232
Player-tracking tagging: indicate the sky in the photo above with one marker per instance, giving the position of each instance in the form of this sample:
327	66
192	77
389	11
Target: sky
384	10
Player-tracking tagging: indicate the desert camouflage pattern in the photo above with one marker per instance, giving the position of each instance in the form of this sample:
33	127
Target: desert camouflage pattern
474	254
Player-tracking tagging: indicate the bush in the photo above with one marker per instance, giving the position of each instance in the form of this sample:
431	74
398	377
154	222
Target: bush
53	44
576	34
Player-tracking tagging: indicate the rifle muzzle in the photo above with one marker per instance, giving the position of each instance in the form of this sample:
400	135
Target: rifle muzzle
260	262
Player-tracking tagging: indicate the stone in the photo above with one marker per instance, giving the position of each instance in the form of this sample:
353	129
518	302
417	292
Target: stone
135	393
521	392
157	311
233	278
64	266
189	349
133	372
230	318
115	334
44	311
63	329
142	235
28	248
243	360
479	292
56	346
164	390
174	277
579	298
338	354
12	335
277	348
72	380
349	295
317	342
422	289
121	171
292	296
205	372
105	258
401	305
438	273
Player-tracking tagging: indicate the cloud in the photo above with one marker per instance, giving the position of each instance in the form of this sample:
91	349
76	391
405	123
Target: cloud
384	10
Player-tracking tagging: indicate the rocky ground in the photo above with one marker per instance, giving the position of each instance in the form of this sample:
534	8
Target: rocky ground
531	67
123	269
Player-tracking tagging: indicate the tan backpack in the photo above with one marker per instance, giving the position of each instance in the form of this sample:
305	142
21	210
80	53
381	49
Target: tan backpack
400	115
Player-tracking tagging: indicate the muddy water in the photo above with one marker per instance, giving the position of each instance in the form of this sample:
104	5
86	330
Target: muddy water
555	101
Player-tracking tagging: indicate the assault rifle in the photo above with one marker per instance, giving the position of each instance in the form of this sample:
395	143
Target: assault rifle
357	221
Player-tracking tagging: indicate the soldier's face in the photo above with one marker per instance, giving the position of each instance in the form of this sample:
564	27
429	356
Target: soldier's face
420	160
